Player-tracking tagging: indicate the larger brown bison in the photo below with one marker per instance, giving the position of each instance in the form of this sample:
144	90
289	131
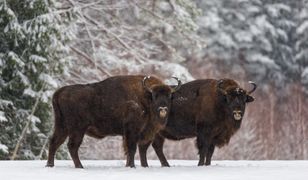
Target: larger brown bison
209	109
135	107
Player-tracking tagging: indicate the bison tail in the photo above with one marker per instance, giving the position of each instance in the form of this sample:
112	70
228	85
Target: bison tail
58	115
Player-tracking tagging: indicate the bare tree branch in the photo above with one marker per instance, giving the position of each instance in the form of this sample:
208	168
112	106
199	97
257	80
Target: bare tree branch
91	61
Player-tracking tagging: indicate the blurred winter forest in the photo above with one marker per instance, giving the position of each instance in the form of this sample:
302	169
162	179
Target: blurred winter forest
46	44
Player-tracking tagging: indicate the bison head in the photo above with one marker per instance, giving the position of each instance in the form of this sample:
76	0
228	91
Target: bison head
160	99
235	97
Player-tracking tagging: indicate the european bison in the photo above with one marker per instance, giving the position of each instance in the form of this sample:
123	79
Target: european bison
209	109
135	107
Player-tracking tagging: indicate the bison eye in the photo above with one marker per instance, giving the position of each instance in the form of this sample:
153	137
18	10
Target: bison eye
153	96
228	98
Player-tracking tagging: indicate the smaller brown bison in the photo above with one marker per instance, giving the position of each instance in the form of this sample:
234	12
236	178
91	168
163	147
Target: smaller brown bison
135	107
211	110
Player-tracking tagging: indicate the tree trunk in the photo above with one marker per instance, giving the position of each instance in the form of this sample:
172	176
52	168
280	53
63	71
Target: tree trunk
301	122
24	131
271	140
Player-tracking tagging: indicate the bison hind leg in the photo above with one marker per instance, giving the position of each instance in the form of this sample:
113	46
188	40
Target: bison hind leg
74	142
56	140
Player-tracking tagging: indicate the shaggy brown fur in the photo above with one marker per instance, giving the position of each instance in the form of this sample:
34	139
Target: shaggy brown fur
206	109
120	105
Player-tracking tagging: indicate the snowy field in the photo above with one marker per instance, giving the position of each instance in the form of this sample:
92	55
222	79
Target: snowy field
114	170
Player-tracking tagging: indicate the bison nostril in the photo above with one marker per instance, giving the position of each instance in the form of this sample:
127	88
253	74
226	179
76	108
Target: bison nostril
163	108
237	112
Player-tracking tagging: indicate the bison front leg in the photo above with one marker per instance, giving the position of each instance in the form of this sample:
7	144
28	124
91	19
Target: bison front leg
209	154
158	144
74	143
202	149
143	153
203	143
130	146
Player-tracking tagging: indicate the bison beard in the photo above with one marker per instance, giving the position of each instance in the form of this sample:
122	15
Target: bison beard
209	109
135	107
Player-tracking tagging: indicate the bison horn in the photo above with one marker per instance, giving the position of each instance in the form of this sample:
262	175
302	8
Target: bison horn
178	86
144	83
219	87
254	87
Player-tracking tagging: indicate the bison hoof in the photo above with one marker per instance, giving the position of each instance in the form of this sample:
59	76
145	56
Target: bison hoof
49	165
79	166
165	165
200	164
131	166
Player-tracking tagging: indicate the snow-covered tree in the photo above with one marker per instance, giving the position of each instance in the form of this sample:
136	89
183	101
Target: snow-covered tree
301	46
132	37
32	49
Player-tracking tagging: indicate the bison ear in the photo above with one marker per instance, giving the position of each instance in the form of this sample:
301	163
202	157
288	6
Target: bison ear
250	99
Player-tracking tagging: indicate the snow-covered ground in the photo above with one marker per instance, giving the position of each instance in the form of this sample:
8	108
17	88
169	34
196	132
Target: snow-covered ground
114	170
